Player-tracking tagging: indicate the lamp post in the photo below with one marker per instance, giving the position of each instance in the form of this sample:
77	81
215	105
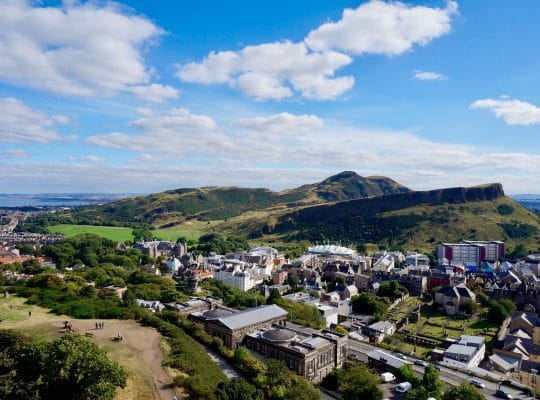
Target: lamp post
534	372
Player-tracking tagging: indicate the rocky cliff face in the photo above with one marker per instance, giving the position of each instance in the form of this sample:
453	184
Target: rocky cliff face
390	202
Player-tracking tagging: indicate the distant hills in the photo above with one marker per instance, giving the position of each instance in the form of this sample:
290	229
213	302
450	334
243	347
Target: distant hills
346	207
215	203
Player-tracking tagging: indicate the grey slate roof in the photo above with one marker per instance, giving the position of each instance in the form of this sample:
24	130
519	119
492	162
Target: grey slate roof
252	316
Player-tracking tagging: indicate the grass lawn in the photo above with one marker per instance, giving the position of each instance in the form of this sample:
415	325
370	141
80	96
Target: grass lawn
108	232
44	325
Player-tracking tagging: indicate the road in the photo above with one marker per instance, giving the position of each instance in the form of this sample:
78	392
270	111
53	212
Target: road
447	375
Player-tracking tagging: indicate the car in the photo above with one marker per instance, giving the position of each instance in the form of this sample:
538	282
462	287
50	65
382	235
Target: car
477	383
402	356
403	387
502	394
437	367
420	362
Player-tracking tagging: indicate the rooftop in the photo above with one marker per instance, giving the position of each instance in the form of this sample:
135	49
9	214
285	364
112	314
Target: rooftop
252	316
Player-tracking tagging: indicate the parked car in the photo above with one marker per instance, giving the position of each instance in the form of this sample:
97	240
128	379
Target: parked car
502	394
387	377
421	363
477	383
403	387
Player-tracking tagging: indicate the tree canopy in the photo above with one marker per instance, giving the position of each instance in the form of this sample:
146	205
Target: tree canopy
71	367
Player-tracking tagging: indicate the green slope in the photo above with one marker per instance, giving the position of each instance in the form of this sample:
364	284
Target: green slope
217	203
412	220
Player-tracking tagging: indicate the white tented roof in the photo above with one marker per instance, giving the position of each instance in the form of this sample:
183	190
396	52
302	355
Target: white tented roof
331	249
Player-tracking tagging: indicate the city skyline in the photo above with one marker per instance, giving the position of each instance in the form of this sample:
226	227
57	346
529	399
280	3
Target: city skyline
134	97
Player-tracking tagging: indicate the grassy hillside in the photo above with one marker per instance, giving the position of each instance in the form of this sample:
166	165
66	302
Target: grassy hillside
412	220
397	218
173	207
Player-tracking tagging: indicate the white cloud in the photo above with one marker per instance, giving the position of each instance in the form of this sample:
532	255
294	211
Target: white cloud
379	27
514	112
88	159
175	132
273	71
281	124
20	123
278	70
78	49
14	153
146	159
155	92
428	76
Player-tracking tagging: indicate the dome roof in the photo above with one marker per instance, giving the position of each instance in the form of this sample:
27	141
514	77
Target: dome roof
217	313
278	335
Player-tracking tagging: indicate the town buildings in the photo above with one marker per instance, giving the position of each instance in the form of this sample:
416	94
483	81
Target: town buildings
470	253
311	356
468	352
233	326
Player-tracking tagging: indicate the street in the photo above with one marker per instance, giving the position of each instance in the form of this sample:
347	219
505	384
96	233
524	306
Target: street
447	375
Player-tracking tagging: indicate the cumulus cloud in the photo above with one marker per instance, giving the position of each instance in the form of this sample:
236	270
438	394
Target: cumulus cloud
282	123
155	92
379	27
176	131
20	123
279	70
428	76
80	49
273	71
514	112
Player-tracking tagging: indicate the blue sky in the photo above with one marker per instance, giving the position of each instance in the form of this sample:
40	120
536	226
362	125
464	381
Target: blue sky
139	97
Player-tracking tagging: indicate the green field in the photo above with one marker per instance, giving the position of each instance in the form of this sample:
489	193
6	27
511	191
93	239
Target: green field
122	234
108	232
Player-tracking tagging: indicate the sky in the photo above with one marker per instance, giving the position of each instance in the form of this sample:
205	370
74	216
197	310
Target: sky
144	96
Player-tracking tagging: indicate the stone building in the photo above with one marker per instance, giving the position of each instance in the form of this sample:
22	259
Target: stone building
311	356
232	327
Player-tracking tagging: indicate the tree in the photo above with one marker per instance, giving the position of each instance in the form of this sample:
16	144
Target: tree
500	310
274	297
238	389
360	383
464	391
391	289
366	303
431	382
143	233
406	374
74	367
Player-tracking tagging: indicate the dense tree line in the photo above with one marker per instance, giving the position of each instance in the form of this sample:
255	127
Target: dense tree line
231	295
299	313
69	368
216	243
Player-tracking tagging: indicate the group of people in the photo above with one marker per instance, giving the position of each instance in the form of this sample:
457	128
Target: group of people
99	325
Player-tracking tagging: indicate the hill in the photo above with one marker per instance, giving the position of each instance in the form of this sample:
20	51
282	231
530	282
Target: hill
216	203
345	207
412	219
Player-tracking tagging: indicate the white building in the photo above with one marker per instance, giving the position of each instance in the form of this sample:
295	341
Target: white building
468	352
416	259
243	275
173	264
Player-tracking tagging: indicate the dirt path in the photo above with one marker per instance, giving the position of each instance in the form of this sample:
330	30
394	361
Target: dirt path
143	342
139	351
